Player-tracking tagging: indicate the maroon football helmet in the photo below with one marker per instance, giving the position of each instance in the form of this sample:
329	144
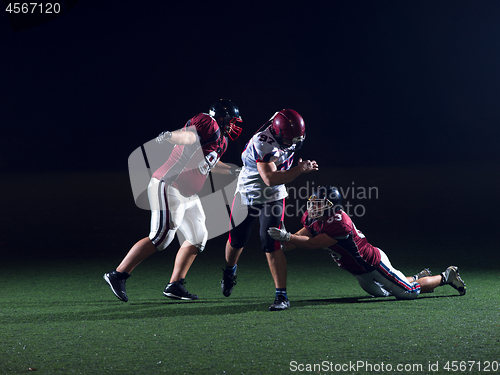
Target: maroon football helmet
288	128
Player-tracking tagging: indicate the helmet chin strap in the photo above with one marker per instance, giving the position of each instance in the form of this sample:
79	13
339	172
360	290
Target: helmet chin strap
267	124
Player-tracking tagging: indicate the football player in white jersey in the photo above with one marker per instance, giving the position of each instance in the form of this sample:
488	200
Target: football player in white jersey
261	193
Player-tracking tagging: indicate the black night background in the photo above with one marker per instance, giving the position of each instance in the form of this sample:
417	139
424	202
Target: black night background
395	94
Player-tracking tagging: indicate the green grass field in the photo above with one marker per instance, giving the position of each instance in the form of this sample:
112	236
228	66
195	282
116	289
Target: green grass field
60	317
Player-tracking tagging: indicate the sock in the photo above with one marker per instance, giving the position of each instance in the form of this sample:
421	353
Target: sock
231	270
281	291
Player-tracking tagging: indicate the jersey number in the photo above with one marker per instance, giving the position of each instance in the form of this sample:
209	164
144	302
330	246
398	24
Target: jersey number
265	138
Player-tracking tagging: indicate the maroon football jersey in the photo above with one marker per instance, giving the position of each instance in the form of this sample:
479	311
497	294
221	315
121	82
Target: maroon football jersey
352	251
188	165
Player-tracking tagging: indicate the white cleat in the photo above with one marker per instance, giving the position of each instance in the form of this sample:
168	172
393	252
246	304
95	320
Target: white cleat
452	277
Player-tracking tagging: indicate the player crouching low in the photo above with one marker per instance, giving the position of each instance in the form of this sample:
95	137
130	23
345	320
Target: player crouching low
327	226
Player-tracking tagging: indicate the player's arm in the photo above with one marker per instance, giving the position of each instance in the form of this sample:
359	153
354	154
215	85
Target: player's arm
177	137
320	241
303	239
223	168
271	176
302	232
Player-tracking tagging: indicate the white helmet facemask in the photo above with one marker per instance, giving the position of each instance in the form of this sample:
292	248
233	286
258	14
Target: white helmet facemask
316	207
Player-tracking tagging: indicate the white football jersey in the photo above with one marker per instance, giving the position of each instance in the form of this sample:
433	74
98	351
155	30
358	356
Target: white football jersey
262	147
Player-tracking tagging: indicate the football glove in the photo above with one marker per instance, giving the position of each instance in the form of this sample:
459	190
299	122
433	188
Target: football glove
164	136
235	171
279	234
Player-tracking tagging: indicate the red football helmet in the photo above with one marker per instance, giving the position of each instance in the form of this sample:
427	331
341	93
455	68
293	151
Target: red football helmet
288	128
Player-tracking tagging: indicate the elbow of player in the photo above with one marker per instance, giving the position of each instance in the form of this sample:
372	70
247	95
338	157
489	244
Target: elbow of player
268	181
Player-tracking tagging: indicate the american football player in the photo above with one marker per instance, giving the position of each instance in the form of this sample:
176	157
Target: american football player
260	194
327	226
172	194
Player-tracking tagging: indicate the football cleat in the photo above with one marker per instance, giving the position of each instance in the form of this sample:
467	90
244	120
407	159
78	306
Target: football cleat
280	303
424	273
228	282
452	277
116	281
176	290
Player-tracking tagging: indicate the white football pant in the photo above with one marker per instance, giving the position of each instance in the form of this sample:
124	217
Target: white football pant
172	212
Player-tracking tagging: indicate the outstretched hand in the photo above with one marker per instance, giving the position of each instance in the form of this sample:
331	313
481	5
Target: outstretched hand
308	165
164	136
279	234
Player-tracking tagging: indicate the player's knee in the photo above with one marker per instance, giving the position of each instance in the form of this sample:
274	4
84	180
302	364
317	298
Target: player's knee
271	248
162	242
411	293
237	240
237	244
199	240
162	245
200	247
269	245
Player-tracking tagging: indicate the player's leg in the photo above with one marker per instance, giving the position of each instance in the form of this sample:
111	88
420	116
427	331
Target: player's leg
424	273
428	284
394	281
278	268
449	277
184	259
368	283
232	254
168	218
239	235
238	238
272	216
143	248
277	264
195	232
140	251
159	225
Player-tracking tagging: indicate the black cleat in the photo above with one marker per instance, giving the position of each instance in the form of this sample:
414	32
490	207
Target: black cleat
280	303
176	290
116	281
228	282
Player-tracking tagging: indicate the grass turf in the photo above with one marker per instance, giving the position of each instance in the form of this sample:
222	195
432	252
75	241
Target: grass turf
60	317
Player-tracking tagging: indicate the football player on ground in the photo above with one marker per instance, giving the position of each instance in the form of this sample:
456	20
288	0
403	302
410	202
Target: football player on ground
327	226
172	194
260	194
